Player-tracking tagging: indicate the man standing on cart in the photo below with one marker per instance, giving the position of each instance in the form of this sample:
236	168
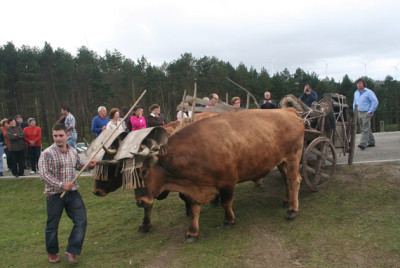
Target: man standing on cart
367	103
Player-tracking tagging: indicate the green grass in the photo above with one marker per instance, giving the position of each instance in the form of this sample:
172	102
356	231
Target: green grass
354	222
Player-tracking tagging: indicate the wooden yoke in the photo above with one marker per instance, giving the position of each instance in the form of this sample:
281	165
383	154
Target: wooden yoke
101	147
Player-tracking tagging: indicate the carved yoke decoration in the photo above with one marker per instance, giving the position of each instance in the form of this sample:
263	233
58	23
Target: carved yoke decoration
106	154
127	153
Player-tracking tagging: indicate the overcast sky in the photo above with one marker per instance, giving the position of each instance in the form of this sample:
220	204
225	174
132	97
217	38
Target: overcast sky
330	38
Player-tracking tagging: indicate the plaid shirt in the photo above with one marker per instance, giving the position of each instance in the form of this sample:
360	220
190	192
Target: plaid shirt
56	167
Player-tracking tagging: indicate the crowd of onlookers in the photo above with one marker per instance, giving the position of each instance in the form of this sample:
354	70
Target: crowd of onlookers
21	140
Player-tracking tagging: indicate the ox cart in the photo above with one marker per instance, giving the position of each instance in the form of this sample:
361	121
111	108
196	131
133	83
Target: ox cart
330	130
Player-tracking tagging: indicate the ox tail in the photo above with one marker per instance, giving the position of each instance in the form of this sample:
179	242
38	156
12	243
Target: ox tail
292	101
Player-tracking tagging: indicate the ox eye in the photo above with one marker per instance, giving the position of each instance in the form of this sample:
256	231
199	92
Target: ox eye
144	173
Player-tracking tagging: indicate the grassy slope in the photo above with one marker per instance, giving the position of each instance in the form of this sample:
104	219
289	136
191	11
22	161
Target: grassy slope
353	222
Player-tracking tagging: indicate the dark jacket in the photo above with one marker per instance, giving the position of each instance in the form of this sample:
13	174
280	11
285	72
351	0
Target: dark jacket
15	142
268	105
152	121
308	99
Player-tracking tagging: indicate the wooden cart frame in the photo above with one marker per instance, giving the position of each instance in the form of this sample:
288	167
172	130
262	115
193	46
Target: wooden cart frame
330	130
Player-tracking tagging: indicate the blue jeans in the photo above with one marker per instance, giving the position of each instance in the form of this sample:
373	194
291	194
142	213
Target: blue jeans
75	208
34	154
71	142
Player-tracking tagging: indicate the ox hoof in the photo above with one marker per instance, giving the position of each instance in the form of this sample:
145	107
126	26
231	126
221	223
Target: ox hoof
144	229
228	225
285	204
190	239
291	214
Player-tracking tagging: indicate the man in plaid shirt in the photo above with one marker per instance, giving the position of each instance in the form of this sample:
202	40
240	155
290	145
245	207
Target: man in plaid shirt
57	166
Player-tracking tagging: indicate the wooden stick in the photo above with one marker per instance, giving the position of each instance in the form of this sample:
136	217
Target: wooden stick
194	101
353	136
101	147
183	104
255	101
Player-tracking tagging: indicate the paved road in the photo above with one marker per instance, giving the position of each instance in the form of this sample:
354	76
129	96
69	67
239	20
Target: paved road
387	149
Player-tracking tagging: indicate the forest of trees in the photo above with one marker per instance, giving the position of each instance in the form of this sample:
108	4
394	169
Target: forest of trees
36	82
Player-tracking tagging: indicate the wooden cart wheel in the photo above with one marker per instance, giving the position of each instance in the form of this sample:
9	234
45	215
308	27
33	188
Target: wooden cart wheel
319	163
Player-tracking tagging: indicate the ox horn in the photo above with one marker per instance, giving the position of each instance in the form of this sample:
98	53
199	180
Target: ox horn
145	151
110	151
107	162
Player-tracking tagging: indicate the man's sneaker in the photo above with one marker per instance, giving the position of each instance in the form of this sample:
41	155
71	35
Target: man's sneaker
53	258
362	147
371	145
32	172
71	258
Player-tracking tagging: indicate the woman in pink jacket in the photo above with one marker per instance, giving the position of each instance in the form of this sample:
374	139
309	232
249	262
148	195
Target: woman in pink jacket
137	119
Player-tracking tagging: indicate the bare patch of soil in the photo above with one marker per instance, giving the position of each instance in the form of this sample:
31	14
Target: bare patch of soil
268	251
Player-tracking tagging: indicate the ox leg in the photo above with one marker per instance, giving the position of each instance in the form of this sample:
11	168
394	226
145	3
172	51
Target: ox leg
193	233
293	181
145	227
187	203
283	170
226	202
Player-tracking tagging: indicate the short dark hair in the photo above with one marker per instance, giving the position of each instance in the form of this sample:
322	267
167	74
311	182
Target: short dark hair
10	120
58	126
112	112
362	80
66	108
18	116
137	107
154	106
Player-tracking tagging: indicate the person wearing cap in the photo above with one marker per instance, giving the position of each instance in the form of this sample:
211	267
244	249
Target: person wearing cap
33	135
20	122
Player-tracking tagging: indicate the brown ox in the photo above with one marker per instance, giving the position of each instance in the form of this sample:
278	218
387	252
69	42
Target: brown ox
209	157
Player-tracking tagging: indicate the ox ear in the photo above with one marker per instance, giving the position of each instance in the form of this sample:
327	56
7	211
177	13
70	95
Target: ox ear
165	159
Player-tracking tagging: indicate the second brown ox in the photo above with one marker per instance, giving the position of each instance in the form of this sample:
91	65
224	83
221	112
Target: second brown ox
209	157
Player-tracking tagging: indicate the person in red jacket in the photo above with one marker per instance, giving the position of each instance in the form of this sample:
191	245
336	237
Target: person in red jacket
33	135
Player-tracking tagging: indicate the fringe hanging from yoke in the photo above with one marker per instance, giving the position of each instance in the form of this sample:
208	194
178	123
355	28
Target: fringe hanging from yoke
130	176
100	172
